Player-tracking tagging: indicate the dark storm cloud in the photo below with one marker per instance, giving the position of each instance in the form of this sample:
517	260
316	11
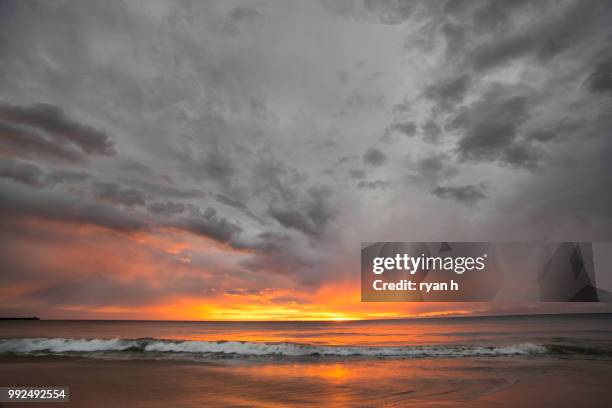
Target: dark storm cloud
563	30
215	166
115	194
271	256
51	121
32	175
58	207
208	224
311	217
600	80
137	169
277	179
67	176
110	211
468	194
223	199
231	202
294	219
374	157
490	129
167	209
25	173
27	143
448	92
165	190
433	168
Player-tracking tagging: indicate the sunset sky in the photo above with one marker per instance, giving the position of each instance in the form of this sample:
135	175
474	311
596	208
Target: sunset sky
224	160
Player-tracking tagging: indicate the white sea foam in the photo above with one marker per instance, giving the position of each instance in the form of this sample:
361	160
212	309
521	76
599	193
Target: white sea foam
62	345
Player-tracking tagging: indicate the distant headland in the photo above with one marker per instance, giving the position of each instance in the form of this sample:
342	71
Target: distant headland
20	318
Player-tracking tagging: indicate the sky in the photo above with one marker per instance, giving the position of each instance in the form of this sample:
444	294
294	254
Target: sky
225	159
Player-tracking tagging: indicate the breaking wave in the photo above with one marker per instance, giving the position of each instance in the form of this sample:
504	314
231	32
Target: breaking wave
220	349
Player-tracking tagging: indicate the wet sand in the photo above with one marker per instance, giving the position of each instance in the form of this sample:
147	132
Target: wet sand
475	382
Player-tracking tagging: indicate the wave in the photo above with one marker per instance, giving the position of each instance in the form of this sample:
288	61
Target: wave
150	346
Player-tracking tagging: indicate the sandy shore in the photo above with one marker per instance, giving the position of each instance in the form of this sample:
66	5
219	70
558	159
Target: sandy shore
479	382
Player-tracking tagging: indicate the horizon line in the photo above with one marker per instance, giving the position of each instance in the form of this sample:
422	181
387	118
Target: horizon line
37	318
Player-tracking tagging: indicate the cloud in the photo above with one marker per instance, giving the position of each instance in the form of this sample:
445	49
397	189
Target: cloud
231	202
165	190
357	174
167	209
238	17
491	129
433	168
391	11
600	80
25	173
244	14
26	143
374	157
431	132
32	175
208	224
294	219
115	194
311	217
46	130
468	194
406	128
372	185
215	166
544	38
56	206
448	92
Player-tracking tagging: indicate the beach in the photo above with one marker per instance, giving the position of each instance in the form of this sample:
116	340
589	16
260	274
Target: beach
480	382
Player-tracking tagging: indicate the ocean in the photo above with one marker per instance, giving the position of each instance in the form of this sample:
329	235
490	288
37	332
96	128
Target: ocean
481	361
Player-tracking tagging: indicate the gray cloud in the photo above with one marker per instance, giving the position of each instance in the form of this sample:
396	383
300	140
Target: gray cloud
600	80
231	202
313	216
372	185
406	128
26	143
208	224
238	17
374	157
431	132
51	122
30	174
468	194
25	173
545	40
167	209
115	194
165	190
357	174
448	92
56	206
491	129
433	168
